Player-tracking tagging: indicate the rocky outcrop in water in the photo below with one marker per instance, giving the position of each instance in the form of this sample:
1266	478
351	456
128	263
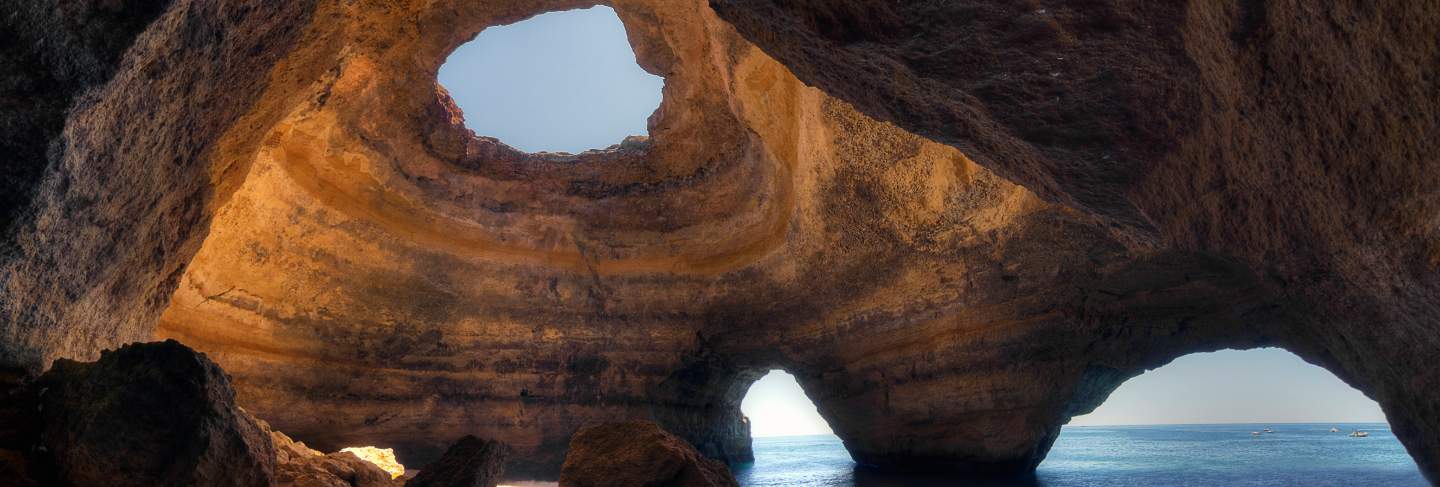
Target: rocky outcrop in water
957	223
638	453
470	462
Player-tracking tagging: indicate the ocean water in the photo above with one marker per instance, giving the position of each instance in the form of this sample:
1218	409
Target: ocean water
1181	455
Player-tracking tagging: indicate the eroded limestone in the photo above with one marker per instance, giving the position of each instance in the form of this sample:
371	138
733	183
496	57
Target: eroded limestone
1191	176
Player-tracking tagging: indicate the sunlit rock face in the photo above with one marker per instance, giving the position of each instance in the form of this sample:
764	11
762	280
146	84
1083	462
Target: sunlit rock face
381	457
373	274
385	277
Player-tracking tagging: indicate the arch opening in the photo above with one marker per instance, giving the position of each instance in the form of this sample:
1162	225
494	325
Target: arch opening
792	443
1227	417
558	82
1190	421
776	406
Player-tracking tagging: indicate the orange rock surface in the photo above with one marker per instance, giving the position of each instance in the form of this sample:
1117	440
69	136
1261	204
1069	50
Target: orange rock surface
1095	189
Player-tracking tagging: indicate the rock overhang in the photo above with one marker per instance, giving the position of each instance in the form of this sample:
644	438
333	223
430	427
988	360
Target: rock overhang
372	273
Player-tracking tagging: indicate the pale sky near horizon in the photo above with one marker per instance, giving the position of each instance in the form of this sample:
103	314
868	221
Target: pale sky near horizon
1267	385
568	81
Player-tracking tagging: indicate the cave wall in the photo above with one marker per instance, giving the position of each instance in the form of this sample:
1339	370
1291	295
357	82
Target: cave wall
104	212
1295	138
957	223
386	277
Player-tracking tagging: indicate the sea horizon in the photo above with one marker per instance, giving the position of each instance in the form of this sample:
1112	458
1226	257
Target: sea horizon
1296	453
1141	455
1387	426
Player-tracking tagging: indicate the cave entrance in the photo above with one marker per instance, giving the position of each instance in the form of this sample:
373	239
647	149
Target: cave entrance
1232	417
791	440
559	82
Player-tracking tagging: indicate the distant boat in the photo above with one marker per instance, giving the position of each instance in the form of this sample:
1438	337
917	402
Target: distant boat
1359	434
1334	430
1268	430
1254	433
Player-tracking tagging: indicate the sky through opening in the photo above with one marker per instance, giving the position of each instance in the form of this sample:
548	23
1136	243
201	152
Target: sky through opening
559	82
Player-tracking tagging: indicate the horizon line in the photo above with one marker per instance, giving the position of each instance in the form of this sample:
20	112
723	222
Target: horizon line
1386	423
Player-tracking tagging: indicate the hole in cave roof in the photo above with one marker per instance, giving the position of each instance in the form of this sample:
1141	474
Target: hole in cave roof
558	82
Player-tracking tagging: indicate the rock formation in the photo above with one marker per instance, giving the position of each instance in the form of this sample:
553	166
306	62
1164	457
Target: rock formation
470	462
145	415
297	465
381	457
957	223
638	453
1293	140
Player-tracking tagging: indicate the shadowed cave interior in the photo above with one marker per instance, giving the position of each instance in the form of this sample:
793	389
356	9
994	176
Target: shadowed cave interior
957	224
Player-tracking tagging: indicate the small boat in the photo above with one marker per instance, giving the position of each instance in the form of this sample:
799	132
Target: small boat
1268	430
1254	433
1334	430
1359	434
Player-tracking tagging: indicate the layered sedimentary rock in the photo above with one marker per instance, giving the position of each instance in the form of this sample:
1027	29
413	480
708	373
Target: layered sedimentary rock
1294	138
1095	189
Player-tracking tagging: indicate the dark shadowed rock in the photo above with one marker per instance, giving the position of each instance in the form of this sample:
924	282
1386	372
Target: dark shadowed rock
14	470
470	462
149	415
637	453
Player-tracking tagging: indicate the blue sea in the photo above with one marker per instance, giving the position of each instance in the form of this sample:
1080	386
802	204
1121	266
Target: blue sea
1179	455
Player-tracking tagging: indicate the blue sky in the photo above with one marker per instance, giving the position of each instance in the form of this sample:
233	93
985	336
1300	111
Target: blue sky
562	81
567	81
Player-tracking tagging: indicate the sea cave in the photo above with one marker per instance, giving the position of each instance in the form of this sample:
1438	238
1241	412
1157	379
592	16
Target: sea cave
240	234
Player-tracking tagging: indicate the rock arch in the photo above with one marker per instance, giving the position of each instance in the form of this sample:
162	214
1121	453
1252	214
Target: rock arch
371	273
1243	135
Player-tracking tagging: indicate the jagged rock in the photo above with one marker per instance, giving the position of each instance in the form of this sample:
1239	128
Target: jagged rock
340	469
146	415
470	462
381	457
297	465
636	453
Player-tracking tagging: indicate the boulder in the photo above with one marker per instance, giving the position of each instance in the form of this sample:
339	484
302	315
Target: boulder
637	453
470	462
380	457
149	415
298	465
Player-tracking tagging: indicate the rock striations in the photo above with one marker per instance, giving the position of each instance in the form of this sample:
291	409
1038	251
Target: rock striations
957	223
